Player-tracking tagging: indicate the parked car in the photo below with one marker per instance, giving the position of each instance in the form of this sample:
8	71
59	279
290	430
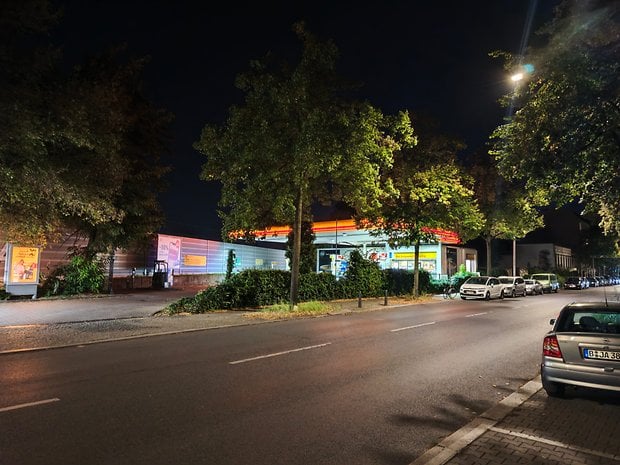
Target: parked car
481	287
549	281
585	282
593	281
513	286
583	348
573	282
533	287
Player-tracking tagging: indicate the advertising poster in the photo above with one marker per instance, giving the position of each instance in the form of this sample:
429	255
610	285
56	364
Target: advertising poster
169	250
23	265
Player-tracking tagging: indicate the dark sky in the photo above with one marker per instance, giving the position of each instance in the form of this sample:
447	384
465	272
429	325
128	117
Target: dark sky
424	56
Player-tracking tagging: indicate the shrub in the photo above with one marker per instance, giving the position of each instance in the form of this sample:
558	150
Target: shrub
398	282
362	277
81	275
317	286
254	288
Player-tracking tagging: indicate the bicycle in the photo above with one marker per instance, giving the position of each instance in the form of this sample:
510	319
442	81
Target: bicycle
449	291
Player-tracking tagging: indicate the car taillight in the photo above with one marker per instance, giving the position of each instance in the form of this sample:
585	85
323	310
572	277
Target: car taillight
551	348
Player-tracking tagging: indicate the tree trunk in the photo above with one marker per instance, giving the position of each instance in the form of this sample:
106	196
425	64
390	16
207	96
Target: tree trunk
416	269
111	272
487	241
294	294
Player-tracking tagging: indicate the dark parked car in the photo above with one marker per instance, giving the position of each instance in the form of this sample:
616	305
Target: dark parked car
573	282
583	348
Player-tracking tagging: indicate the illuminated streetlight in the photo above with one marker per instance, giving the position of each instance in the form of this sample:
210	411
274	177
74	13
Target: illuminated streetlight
516	77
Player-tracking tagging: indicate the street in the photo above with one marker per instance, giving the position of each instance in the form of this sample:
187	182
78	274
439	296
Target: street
371	388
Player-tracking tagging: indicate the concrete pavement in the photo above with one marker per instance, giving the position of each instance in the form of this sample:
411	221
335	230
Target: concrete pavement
525	427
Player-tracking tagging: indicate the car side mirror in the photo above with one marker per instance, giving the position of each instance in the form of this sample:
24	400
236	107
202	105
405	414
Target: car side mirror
552	321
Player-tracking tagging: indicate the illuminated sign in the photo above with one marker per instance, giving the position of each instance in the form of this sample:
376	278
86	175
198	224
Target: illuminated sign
194	260
410	255
23	265
169	250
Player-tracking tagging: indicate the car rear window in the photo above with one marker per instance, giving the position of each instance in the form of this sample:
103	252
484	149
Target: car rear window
590	321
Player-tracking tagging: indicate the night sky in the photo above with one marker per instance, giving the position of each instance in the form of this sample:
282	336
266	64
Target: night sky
427	57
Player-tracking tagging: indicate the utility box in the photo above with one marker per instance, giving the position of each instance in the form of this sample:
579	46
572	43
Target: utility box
160	274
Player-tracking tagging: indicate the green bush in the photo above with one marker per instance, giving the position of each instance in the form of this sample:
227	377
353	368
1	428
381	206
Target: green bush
82	275
317	286
254	288
259	288
398	282
362	277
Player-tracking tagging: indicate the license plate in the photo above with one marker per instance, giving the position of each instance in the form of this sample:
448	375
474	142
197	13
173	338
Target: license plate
601	354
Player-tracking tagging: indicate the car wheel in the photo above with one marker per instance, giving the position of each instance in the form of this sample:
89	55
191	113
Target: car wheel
554	389
487	296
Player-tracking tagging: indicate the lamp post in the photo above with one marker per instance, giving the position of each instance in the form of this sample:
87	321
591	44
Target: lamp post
514	256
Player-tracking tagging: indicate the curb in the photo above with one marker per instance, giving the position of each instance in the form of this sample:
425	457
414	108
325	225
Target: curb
443	452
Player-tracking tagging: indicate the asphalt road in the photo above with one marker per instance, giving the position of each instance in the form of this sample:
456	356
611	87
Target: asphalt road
370	388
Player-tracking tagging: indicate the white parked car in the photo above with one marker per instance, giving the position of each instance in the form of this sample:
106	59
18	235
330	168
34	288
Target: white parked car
513	286
481	287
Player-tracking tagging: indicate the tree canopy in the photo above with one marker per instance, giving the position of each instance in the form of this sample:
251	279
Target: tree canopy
564	140
297	140
424	190
79	150
509	212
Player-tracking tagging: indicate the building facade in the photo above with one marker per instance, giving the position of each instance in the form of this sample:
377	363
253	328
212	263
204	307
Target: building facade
335	240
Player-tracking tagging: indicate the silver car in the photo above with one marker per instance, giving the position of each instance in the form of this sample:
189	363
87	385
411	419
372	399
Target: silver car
533	287
513	286
583	348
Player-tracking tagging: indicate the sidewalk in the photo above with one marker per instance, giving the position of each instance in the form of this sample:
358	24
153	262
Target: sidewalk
525	427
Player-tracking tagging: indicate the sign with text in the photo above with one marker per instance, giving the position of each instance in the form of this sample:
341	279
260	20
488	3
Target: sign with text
23	265
169	250
194	260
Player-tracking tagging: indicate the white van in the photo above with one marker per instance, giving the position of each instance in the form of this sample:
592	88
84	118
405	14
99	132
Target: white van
549	281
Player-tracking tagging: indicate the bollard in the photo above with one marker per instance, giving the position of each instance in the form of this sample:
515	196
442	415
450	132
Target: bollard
359	300
385	299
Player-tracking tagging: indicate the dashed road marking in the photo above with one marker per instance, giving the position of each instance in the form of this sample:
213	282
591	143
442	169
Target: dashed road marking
476	314
276	354
414	326
29	404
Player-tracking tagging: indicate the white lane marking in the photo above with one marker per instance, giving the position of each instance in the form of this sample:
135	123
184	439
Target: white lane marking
412	327
279	353
476	314
29	404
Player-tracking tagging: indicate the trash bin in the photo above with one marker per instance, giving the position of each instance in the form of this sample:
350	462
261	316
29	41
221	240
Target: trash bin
160	274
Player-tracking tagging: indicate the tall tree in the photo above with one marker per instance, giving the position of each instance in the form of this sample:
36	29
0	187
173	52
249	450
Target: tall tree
294	141
564	140
508	211
77	150
124	167
425	190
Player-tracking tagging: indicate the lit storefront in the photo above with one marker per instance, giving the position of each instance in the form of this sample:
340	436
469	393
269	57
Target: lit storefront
335	240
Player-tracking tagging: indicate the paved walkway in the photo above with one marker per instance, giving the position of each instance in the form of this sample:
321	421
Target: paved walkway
526	427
